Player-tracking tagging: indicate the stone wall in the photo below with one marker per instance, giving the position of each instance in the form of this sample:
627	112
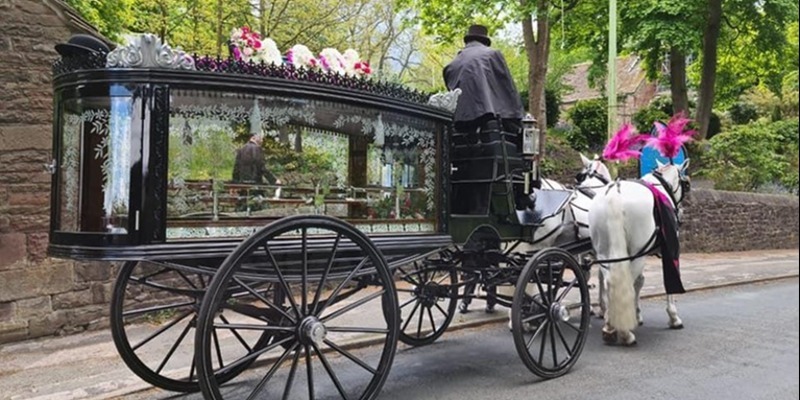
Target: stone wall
717	221
38	296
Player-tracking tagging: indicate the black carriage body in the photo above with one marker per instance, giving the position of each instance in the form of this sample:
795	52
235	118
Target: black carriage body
143	163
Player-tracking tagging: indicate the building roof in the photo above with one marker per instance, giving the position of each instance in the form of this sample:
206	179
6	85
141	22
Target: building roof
630	75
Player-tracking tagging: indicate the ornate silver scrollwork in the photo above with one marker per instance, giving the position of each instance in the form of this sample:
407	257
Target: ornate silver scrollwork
147	51
445	100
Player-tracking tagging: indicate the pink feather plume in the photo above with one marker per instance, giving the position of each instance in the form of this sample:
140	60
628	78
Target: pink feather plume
671	136
621	145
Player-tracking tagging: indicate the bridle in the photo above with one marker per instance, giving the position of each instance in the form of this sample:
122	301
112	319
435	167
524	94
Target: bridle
684	184
591	172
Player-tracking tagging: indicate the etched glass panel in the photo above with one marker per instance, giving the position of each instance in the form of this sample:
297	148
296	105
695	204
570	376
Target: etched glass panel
95	163
236	159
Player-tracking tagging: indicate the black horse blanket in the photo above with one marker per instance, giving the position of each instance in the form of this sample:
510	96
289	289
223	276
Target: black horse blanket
667	234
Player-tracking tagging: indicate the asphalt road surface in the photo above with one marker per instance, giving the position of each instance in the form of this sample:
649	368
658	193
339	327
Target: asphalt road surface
739	343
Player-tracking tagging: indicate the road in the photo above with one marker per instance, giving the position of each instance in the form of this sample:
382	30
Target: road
739	343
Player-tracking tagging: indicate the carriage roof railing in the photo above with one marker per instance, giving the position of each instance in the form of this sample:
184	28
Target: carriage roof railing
148	51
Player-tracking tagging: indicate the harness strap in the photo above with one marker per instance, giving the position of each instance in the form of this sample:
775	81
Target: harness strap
648	247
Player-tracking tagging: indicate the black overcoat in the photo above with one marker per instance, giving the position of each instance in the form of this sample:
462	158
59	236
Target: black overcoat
485	82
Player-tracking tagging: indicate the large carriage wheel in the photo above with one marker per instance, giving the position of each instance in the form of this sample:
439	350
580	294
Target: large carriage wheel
550	313
427	295
153	317
336	293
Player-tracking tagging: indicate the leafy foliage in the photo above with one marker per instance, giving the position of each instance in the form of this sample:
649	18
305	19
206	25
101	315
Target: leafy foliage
750	157
590	118
742	112
645	117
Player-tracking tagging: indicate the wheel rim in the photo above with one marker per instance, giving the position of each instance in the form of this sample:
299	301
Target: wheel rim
550	313
427	292
329	281
153	319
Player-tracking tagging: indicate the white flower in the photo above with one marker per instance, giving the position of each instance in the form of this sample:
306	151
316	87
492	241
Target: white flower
332	60
351	58
301	56
269	52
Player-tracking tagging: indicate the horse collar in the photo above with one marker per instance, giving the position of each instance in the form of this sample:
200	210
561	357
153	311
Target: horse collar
668	188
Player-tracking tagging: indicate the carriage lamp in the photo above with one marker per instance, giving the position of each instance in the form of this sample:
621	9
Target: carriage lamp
530	149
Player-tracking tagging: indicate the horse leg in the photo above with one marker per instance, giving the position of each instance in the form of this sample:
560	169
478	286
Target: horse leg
602	293
637	286
469	290
674	320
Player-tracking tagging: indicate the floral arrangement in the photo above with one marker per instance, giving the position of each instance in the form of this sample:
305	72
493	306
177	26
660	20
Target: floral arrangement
248	45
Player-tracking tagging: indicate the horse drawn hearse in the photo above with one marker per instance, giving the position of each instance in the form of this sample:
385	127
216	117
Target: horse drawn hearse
382	216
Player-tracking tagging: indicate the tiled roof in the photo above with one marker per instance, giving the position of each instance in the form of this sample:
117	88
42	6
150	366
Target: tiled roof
630	75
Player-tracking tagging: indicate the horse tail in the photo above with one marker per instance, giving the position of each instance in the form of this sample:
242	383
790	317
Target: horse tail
621	307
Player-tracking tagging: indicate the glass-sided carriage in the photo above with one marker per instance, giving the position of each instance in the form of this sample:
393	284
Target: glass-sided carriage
369	236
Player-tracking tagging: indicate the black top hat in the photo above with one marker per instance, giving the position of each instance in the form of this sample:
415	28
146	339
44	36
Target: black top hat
479	33
81	44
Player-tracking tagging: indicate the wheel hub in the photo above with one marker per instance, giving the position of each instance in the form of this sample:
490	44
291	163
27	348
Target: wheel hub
312	330
427	294
559	311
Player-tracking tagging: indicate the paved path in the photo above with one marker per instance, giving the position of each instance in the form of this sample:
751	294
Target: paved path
86	365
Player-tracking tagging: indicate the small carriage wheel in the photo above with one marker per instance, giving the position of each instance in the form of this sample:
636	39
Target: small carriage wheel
153	315
336	291
427	295
550	313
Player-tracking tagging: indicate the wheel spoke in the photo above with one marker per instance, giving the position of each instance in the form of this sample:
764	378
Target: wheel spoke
185	278
553	343
441	310
333	376
309	373
575	328
236	334
254	355
264	299
290	379
304	280
353	305
141	311
410	316
533	317
433	322
162	329
348	329
567	290
419	323
536	333
215	338
260	386
254	327
544	341
563	340
284	285
342	285
350	356
325	274
174	347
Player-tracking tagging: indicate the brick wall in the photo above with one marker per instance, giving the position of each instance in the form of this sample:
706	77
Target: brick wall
38	296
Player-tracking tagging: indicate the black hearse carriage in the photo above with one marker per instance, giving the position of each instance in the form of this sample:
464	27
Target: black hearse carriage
357	243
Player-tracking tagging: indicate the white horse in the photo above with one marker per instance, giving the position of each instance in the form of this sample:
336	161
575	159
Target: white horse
594	175
623	229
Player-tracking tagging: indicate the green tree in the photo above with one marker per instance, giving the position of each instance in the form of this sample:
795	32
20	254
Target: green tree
111	18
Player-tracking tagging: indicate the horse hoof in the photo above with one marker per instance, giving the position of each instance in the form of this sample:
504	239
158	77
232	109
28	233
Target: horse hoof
610	337
631	344
641	323
463	308
679	326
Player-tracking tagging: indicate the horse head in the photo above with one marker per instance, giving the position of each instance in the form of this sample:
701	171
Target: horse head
594	173
673	178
